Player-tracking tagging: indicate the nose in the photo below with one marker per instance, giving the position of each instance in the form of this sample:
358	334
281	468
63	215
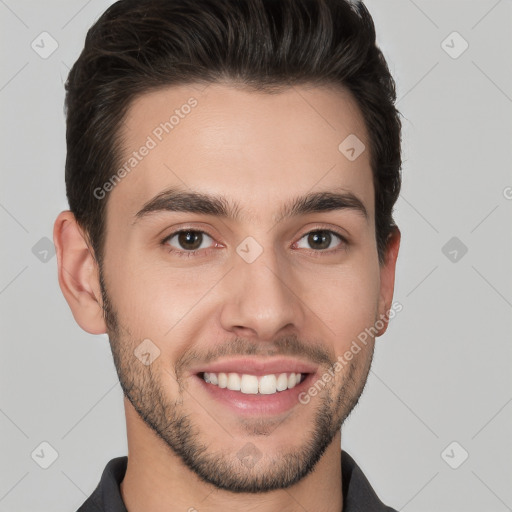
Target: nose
262	298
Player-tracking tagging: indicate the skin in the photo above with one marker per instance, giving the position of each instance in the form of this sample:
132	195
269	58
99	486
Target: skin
295	300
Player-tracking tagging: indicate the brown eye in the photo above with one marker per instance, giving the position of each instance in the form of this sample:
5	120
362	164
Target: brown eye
321	239
187	240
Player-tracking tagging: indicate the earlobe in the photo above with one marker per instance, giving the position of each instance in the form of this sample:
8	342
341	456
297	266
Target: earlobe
387	278
78	274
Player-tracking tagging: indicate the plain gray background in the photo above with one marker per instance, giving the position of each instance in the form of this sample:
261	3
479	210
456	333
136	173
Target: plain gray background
440	385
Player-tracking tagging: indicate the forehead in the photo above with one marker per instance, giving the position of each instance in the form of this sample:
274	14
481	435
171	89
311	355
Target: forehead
256	148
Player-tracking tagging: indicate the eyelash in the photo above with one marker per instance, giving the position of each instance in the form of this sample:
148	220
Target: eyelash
192	254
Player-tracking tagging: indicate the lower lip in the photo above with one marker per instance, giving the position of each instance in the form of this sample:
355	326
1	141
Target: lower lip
257	404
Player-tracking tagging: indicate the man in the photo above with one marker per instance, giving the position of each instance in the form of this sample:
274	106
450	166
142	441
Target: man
231	172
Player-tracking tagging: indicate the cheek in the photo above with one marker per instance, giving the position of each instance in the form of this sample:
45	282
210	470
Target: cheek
346	299
154	300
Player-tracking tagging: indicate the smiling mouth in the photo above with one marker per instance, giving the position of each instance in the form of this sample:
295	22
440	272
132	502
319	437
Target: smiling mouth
245	383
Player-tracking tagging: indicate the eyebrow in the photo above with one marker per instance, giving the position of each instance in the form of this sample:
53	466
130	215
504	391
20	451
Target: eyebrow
178	200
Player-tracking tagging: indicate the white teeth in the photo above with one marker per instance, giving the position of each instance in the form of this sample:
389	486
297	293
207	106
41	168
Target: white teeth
282	382
268	384
234	381
251	384
223	380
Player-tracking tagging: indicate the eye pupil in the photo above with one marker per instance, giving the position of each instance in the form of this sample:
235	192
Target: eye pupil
321	236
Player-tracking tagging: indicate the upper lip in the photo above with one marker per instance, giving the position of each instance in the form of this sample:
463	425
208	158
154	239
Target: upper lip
253	366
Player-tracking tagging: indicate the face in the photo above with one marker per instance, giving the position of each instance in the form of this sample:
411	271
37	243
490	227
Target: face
239	283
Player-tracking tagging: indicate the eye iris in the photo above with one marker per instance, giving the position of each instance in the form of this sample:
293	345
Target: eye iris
185	238
321	236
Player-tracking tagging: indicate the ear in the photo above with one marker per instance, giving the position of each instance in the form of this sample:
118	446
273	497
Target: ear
78	274
387	277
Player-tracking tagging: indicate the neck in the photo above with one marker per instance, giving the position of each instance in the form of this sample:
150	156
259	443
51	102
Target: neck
156	479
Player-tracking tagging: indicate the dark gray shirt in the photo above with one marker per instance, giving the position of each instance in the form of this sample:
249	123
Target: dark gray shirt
358	494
